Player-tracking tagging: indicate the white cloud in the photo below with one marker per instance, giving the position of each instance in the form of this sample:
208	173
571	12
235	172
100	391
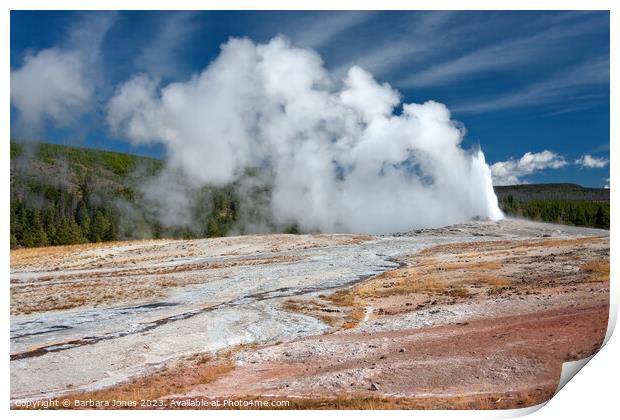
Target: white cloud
512	171
606	183
50	85
588	161
341	159
57	84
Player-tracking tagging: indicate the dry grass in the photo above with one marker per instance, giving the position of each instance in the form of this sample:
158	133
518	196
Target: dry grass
483	401
30	256
344	298
598	271
409	281
492	280
313	308
339	310
488	401
494	246
476	265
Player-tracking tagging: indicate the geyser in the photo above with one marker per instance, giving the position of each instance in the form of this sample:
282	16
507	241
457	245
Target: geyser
342	159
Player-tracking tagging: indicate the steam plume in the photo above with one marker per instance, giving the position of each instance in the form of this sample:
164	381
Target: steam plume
342	158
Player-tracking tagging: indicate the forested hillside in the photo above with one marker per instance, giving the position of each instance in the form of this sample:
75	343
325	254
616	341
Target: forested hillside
557	203
537	192
66	195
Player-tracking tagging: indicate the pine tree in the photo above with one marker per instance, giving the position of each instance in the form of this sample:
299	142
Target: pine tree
599	220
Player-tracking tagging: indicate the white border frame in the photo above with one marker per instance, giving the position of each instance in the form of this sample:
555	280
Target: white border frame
592	393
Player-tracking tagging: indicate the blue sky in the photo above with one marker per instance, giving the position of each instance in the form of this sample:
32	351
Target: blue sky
520	82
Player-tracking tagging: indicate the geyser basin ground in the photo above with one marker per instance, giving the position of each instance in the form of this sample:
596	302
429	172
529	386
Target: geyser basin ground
474	315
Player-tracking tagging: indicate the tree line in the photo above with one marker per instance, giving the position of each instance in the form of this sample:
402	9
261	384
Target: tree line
63	218
569	212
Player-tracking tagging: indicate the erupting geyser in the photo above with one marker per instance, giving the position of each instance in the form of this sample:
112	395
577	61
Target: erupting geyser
342	160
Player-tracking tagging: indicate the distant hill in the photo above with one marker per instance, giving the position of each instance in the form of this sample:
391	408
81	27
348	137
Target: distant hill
36	164
572	192
557	203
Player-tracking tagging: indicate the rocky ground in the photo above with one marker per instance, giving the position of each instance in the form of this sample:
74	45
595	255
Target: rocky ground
480	315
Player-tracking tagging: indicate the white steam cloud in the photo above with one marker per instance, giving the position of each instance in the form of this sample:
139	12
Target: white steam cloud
342	159
50	86
58	85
